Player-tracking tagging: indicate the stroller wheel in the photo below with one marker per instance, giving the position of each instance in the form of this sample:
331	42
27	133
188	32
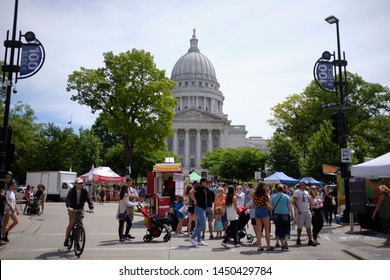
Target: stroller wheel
147	238
166	238
249	238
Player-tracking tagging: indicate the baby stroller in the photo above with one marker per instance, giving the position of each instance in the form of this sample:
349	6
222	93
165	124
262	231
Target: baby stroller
243	219
33	207
154	226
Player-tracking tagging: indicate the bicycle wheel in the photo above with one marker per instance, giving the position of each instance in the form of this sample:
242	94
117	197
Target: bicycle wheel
79	241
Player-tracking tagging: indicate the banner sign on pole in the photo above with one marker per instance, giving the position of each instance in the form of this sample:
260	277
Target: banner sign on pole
31	59
324	74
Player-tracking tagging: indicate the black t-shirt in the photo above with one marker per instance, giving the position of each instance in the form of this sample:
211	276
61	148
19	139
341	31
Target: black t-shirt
201	197
210	197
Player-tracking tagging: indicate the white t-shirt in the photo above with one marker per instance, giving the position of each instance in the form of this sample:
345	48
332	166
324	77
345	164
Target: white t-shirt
240	198
12	200
303	200
231	213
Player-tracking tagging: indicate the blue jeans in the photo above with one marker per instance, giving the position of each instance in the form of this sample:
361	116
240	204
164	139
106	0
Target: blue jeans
201	219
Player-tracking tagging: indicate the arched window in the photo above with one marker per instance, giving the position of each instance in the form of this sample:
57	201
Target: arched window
215	142
170	144
204	144
181	145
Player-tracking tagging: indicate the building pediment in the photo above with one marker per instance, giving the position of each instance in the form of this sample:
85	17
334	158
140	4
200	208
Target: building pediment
196	115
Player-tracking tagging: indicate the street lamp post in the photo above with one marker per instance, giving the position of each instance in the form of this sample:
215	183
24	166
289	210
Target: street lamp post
32	58
341	87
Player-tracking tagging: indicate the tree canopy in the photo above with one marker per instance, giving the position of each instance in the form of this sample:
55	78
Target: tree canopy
134	99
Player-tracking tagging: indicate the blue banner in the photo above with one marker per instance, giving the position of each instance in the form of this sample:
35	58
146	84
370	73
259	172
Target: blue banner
31	59
324	74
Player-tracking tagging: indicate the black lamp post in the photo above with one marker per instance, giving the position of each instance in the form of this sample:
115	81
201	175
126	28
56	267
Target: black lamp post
341	87
32	59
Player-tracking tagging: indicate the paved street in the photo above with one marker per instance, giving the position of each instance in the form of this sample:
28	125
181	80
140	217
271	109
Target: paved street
41	238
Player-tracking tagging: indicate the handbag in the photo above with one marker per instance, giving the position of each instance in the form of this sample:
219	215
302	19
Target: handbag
183	209
122	216
333	201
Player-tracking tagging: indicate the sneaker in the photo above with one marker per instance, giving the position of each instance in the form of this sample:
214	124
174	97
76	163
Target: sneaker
224	245
129	236
66	243
311	243
237	246
277	245
316	242
194	242
299	242
211	237
202	243
2	242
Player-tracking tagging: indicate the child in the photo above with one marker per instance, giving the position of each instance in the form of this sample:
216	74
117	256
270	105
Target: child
180	216
218	226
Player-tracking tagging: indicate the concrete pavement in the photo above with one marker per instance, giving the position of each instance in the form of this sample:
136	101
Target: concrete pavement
357	244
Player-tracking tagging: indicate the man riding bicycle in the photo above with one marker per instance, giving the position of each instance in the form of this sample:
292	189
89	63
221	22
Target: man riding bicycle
77	196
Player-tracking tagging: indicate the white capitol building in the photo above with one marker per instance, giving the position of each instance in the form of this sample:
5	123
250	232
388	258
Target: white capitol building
200	124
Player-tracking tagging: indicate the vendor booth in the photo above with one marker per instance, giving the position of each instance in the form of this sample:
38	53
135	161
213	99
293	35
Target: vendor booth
102	174
370	175
164	183
280	177
311	181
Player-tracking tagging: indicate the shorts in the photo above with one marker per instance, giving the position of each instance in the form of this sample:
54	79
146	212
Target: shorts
303	220
261	212
209	214
191	209
73	215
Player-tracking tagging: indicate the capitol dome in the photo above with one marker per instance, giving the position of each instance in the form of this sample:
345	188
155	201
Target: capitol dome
195	66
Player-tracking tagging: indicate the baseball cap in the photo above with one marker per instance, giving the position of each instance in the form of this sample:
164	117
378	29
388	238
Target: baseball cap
78	181
9	173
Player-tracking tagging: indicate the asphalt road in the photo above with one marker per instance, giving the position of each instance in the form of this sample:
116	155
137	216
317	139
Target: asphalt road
42	237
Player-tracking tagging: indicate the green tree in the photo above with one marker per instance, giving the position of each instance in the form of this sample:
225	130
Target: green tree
56	149
88	151
284	156
321	150
134	97
234	163
300	116
25	137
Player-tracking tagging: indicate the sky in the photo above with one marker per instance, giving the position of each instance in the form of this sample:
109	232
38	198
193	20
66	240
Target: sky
262	51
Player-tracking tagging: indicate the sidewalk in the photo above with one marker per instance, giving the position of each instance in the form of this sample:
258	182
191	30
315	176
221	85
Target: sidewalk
360	244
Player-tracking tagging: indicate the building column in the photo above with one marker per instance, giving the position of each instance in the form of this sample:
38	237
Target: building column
175	141
181	103
198	148
187	148
221	139
210	140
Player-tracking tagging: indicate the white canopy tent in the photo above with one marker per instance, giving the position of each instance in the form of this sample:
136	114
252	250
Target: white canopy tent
102	174
376	168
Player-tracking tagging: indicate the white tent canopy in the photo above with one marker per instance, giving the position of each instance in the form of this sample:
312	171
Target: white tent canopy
102	174
376	168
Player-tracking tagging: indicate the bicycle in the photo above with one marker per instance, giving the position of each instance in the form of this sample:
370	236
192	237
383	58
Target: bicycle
77	235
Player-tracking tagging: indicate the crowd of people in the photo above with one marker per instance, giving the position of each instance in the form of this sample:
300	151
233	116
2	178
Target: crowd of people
215	207
9	211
